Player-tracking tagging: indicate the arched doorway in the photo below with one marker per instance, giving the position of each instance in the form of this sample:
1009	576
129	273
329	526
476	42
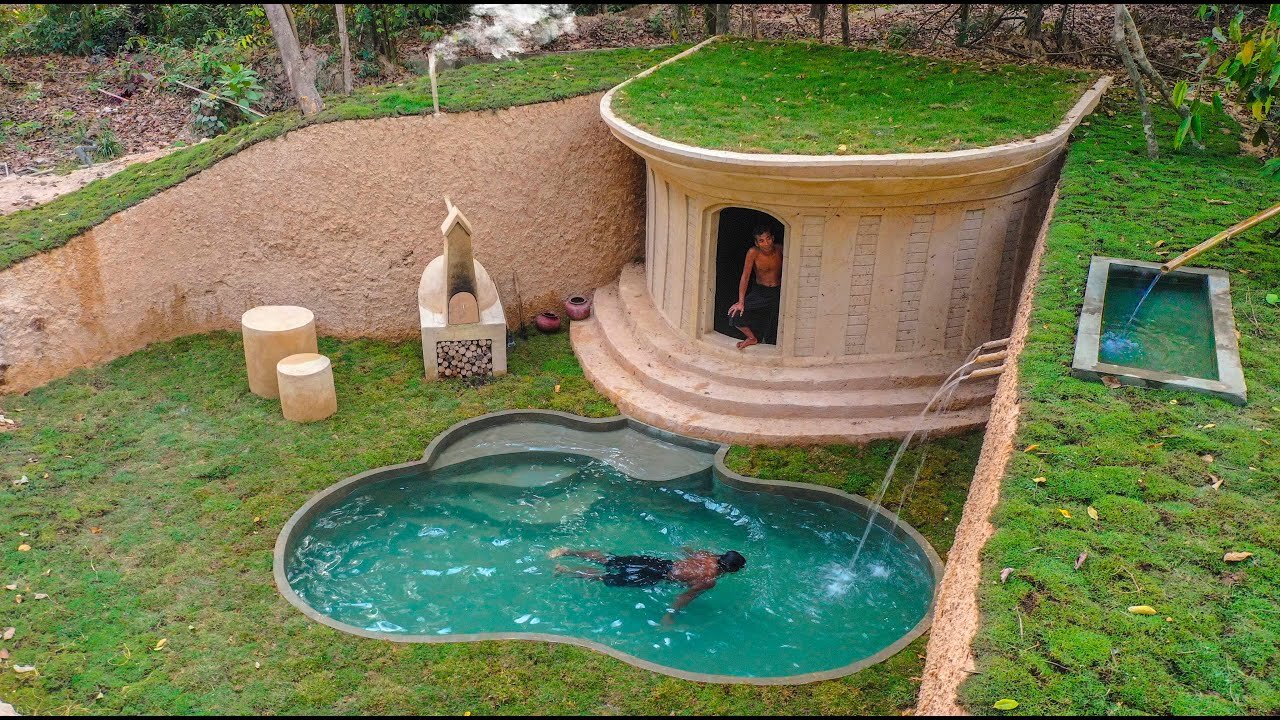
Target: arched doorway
733	239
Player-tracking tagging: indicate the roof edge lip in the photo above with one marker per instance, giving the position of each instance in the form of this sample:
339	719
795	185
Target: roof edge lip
781	161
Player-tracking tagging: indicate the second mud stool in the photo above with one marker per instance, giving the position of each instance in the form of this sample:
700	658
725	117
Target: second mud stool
306	387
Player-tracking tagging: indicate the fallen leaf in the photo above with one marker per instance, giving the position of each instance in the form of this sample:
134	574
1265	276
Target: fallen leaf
1040	480
95	530
1207	458
1005	704
257	665
1173	402
8	633
41	596
1065	513
13	586
24	547
17	599
1093	513
24	668
1080	560
842	148
21	481
162	643
4	654
1005	573
1110	381
1207	426
1158	243
1142	610
24	534
1217	481
1236	556
1213	201
1031	447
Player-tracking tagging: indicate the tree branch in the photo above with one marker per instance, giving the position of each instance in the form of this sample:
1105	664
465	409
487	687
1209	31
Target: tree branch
1126	56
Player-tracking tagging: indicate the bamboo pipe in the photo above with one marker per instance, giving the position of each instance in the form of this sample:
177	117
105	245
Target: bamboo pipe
1228	233
1003	342
991	357
984	372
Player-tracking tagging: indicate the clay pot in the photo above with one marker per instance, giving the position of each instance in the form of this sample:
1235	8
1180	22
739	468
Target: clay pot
577	308
547	322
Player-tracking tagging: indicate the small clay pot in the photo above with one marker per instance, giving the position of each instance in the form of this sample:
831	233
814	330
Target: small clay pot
577	308
547	322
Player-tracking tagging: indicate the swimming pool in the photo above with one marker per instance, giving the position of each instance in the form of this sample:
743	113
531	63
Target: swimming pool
455	548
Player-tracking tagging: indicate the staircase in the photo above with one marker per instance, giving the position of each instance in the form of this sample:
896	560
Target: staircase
633	356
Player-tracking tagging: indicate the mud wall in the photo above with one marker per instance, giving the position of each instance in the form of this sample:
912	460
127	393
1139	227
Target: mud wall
340	218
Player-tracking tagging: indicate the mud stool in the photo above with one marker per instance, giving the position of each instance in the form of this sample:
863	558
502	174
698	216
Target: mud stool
272	333
306	387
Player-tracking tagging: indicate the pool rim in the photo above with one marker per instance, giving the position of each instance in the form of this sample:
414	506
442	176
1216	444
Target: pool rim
334	494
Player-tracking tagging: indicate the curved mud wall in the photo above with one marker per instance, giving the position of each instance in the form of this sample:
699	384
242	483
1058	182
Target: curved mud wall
340	218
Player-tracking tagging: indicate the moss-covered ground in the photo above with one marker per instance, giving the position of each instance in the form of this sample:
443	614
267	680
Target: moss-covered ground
157	487
483	86
1060	640
775	97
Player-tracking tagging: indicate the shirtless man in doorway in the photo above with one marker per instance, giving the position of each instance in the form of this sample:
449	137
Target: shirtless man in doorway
755	309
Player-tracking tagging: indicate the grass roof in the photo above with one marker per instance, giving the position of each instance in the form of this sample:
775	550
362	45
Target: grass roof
787	97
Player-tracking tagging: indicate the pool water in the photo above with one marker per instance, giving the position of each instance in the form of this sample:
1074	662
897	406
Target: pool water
464	550
1172	331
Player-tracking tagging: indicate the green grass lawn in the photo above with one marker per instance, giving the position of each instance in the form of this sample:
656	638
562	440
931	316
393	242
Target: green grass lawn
158	485
824	100
1061	641
483	86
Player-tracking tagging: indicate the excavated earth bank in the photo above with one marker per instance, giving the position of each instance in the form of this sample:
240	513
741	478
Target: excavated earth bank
341	218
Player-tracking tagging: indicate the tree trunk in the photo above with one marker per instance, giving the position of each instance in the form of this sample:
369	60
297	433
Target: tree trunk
1033	26
709	18
755	28
301	73
844	25
962	34
722	19
1126	56
681	19
341	12
820	11
1140	56
1060	31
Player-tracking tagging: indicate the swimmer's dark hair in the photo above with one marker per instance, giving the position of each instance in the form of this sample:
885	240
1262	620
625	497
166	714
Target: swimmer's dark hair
731	561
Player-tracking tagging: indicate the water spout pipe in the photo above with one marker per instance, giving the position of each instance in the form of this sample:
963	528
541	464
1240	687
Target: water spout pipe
984	372
1228	233
431	70
991	357
992	345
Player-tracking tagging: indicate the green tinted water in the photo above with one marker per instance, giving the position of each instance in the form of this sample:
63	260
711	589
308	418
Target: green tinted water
1172	331
465	551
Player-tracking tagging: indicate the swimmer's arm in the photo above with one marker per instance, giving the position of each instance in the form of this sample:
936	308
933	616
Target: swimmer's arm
685	598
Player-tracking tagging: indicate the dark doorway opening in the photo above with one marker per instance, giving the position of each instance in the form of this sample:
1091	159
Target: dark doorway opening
733	241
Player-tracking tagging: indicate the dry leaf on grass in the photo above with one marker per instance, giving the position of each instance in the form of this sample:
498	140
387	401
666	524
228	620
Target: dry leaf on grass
24	668
162	643
1110	381
1236	556
1031	447
1217	481
1142	610
41	596
1092	512
1005	704
1040	480
1207	458
1005	573
12	586
1080	560
1214	201
4	654
24	547
1065	513
8	633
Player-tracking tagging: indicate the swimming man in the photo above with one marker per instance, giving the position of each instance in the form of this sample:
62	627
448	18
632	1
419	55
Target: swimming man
698	569
755	310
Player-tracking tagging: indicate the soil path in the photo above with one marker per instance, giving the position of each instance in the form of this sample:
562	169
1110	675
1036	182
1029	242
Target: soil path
19	192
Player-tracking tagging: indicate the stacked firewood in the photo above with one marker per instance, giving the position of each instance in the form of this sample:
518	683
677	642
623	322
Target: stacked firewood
464	358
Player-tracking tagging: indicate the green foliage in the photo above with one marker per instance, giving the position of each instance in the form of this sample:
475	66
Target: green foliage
1060	640
167	485
824	100
1251	72
483	86
108	146
107	28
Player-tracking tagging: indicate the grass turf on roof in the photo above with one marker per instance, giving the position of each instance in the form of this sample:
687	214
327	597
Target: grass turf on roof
158	485
1061	641
482	86
768	97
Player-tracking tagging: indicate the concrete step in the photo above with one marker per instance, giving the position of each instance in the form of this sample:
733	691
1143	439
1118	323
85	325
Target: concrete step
634	398
629	309
718	394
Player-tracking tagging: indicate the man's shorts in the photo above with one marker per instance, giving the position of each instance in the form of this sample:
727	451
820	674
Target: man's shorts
636	570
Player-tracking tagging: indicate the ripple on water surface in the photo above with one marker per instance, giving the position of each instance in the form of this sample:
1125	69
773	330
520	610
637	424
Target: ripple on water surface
465	551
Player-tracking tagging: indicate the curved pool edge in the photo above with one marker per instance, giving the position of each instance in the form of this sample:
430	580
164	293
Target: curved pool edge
334	494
